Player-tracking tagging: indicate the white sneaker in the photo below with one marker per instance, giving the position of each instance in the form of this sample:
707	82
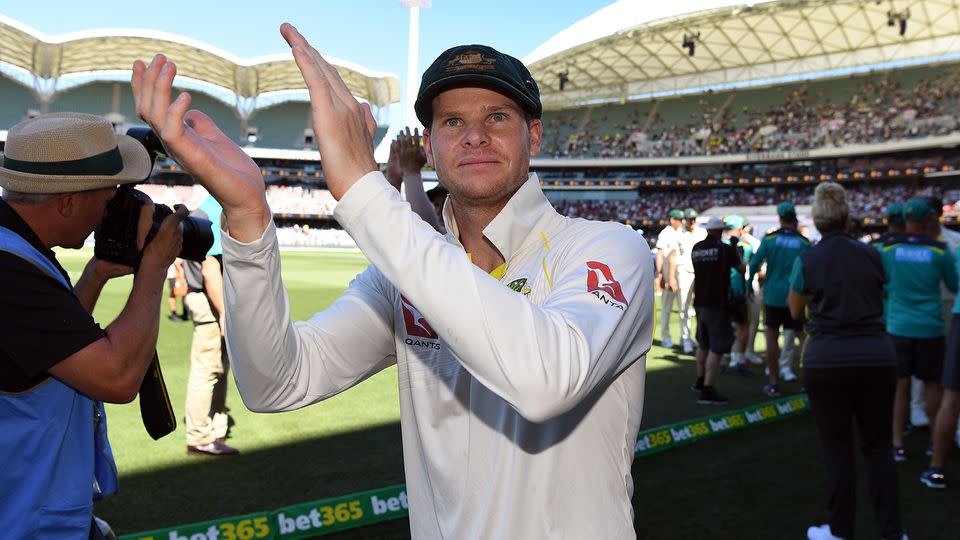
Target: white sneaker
918	417
821	533
688	347
666	343
754	358
787	375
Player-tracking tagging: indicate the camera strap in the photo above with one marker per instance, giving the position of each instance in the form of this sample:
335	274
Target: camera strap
155	408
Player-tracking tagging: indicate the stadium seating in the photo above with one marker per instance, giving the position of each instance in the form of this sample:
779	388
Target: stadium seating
870	108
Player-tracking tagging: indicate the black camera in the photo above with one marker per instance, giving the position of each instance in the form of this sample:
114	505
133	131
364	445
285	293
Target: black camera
116	237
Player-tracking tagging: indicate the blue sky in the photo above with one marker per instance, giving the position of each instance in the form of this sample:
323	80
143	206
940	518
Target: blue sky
371	33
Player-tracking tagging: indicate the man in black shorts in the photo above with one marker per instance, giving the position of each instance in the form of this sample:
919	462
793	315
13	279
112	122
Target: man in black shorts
916	265
712	261
779	249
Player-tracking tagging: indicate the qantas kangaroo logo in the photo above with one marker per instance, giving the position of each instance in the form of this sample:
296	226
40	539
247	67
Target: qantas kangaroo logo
414	321
601	283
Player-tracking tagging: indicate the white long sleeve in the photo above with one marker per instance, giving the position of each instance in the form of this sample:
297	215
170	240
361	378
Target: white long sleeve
281	365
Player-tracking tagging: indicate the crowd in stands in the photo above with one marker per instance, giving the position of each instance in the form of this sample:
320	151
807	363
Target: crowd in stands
295	199
868	201
878	109
306	236
283	200
300	200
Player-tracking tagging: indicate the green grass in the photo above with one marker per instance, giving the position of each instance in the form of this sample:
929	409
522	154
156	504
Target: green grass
763	482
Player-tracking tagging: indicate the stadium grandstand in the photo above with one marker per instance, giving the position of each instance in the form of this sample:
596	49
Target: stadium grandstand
746	106
740	107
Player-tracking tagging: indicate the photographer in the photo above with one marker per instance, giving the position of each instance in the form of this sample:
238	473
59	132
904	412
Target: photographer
205	408
57	365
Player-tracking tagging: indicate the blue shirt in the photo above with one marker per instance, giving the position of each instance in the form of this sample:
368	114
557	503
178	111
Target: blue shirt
915	266
779	248
212	208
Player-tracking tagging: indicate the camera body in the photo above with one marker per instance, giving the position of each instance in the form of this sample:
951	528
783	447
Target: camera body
116	236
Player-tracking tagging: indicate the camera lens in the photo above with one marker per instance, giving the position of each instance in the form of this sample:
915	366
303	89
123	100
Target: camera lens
197	238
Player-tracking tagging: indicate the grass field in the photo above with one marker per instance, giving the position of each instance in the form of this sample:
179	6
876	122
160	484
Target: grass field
764	482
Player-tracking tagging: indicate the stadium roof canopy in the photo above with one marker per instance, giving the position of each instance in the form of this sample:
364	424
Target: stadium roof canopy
635	48
92	52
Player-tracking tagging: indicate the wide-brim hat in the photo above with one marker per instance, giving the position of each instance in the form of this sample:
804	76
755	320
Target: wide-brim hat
479	66
64	152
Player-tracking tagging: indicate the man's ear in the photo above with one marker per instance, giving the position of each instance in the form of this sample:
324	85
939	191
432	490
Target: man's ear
67	203
427	148
536	136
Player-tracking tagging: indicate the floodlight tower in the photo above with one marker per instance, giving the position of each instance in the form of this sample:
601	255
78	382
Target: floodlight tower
413	52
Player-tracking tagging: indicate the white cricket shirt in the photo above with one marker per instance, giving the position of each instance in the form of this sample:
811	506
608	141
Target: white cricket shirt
520	399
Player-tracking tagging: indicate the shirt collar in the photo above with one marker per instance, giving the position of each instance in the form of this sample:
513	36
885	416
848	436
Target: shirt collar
10	219
527	214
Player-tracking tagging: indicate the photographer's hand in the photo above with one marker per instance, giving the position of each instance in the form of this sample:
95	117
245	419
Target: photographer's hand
197	144
343	127
166	245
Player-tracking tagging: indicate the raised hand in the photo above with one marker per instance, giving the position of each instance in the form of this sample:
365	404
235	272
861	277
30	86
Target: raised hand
393	173
410	155
343	127
197	144
406	157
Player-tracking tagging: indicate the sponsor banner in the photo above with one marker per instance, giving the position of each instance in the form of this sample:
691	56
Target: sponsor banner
328	516
662	438
307	520
246	527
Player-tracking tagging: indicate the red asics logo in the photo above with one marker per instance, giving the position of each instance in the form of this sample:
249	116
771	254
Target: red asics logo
600	279
414	321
